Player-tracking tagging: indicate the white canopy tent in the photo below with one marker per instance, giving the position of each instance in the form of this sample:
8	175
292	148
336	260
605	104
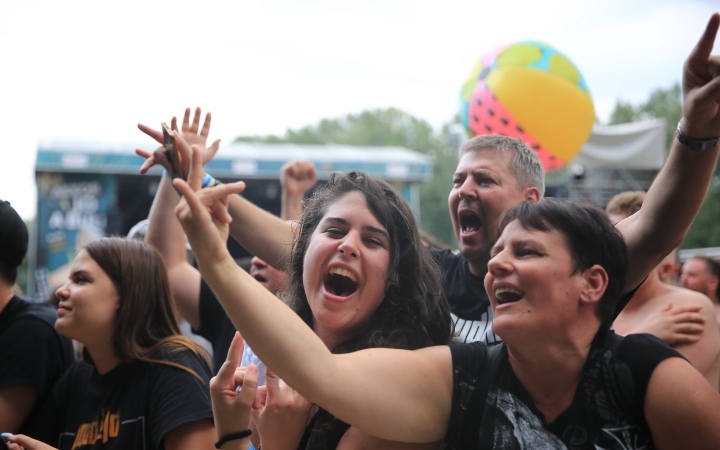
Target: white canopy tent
615	158
631	146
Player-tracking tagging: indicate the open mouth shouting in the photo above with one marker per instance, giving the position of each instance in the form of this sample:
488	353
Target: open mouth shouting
507	294
260	279
340	282
470	222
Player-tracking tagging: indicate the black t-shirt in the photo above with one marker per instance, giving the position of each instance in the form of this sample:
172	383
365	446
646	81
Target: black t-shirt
32	353
215	325
469	303
131	407
491	409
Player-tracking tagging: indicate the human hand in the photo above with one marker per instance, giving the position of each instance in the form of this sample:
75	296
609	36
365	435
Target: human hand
701	87
191	136
675	325
297	177
232	409
280	414
20	442
203	213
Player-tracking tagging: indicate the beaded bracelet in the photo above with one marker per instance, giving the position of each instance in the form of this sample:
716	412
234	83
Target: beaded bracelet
232	437
167	174
209	181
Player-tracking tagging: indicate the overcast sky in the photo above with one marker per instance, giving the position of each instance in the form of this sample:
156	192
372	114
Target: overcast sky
91	70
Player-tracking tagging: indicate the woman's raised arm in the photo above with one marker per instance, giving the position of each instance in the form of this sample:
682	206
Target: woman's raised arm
393	394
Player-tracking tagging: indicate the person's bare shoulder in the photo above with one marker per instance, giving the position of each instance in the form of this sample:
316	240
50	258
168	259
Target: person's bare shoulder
684	297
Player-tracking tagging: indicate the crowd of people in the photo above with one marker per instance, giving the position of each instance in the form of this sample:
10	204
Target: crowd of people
555	325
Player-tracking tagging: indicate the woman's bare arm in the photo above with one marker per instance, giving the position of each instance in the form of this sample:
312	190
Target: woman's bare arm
393	394
681	408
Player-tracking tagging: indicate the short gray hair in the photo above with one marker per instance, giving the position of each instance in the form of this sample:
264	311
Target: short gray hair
524	162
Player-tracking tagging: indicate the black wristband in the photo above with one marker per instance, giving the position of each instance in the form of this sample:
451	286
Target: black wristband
699	145
232	437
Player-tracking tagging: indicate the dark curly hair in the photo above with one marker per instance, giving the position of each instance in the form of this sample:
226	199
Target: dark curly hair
414	312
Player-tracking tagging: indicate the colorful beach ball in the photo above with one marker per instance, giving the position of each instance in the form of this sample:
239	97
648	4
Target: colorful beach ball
530	91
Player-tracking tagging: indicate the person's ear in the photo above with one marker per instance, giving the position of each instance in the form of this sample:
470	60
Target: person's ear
596	281
665	270
714	281
532	193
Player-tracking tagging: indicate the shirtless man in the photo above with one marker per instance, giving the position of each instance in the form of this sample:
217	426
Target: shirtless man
669	268
702	274
673	314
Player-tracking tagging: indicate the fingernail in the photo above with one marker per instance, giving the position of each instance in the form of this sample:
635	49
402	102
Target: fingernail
6	435
252	368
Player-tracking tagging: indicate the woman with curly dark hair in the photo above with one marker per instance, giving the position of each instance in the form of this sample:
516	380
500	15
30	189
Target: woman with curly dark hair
360	278
408	311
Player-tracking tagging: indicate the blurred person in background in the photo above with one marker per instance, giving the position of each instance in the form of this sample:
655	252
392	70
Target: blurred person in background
702	274
33	355
684	319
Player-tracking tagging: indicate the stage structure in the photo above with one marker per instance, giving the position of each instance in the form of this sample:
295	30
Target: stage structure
90	190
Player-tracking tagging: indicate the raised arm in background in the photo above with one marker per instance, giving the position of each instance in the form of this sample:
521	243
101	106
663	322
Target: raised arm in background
675	197
164	232
296	177
260	232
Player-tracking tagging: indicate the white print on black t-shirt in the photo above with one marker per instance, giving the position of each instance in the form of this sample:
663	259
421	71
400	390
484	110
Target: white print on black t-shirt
520	428
517	427
476	330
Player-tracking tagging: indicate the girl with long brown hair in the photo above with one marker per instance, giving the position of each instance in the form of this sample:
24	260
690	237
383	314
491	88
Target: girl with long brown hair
140	384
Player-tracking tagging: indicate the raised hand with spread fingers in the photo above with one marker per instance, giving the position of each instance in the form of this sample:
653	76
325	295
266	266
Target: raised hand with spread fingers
191	133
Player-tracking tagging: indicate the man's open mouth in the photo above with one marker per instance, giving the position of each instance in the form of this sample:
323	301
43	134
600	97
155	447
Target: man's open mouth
340	282
469	222
507	295
260	278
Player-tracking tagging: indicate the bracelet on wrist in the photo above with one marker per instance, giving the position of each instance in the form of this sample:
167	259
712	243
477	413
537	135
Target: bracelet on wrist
232	437
699	145
169	175
209	181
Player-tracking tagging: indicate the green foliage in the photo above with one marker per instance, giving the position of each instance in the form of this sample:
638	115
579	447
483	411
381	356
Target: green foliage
624	112
705	230
390	127
663	103
435	218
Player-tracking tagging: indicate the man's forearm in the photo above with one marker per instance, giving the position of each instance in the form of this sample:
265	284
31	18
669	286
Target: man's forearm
291	207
